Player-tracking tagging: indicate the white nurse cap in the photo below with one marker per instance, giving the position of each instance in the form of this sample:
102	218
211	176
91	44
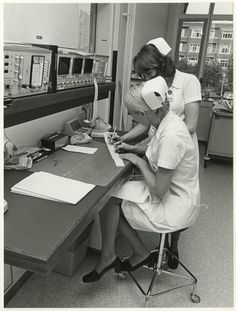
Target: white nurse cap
161	44
150	90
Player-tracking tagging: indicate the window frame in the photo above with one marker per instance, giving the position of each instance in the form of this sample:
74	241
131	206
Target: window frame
191	18
207	23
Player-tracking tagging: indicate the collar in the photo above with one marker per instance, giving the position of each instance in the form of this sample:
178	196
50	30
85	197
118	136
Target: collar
165	120
178	79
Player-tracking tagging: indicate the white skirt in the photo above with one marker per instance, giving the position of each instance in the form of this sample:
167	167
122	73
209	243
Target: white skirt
145	213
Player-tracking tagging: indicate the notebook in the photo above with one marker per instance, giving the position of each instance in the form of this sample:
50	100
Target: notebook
52	187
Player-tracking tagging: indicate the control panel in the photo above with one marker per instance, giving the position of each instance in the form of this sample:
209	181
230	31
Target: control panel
26	70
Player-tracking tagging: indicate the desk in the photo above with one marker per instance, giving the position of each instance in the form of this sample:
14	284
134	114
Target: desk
37	231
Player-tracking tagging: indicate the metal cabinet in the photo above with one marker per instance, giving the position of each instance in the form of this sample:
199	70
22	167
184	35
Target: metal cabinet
204	120
220	139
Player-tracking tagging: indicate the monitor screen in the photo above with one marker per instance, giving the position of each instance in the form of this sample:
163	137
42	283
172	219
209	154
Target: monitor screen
77	65
88	65
64	65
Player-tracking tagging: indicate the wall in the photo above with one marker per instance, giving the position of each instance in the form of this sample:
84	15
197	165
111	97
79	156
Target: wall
103	45
56	23
29	133
156	20
151	22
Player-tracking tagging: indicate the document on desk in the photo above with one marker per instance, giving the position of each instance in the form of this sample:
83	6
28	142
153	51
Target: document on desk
87	150
115	156
52	187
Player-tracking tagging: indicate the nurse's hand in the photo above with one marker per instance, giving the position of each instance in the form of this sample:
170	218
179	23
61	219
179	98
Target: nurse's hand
133	158
114	138
122	147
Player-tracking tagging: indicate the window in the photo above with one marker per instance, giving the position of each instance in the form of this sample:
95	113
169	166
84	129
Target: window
227	35
212	33
196	33
194	47
183	32
224	49
220	8
186	62
211	48
209	61
181	47
192	61
223	63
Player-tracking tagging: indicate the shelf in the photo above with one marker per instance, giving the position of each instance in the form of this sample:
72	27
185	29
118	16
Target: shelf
25	109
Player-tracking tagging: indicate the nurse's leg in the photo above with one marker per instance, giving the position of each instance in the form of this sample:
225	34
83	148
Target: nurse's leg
139	250
172	262
174	241
109	219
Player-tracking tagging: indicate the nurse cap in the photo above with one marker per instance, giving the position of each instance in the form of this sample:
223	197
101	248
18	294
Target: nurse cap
161	44
150	92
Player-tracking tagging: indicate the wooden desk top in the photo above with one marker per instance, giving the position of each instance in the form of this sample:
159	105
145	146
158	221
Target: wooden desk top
36	231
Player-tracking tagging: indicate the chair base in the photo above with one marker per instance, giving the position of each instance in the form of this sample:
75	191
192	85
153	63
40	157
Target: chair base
161	267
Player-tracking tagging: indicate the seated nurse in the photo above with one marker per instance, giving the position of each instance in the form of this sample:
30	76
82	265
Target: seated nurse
166	199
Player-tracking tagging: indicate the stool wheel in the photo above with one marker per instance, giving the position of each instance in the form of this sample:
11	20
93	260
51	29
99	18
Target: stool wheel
121	275
195	298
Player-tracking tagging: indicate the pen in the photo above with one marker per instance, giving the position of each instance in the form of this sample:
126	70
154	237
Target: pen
54	135
40	159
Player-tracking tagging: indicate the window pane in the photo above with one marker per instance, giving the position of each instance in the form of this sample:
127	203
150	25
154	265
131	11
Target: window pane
198	8
189	46
223	8
218	73
203	8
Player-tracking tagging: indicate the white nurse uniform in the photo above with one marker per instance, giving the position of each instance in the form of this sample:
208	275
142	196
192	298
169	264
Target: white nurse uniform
170	148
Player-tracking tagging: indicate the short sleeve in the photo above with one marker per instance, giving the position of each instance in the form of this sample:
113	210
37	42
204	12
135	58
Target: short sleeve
192	90
171	152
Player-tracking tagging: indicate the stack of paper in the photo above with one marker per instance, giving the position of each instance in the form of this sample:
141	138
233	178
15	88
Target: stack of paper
52	187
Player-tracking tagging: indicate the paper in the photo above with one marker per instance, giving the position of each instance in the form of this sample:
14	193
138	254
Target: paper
53	187
87	150
115	156
135	191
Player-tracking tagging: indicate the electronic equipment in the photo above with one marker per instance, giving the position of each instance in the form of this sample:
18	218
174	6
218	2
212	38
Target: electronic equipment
54	141
39	155
52	86
74	69
78	68
100	67
73	126
26	70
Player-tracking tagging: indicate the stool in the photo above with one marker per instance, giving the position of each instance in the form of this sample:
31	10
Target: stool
160	267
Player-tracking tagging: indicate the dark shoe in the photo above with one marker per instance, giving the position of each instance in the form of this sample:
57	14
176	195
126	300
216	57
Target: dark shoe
149	261
94	276
172	260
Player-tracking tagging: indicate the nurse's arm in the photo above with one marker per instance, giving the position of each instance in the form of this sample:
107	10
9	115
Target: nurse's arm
159	182
138	130
191	116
